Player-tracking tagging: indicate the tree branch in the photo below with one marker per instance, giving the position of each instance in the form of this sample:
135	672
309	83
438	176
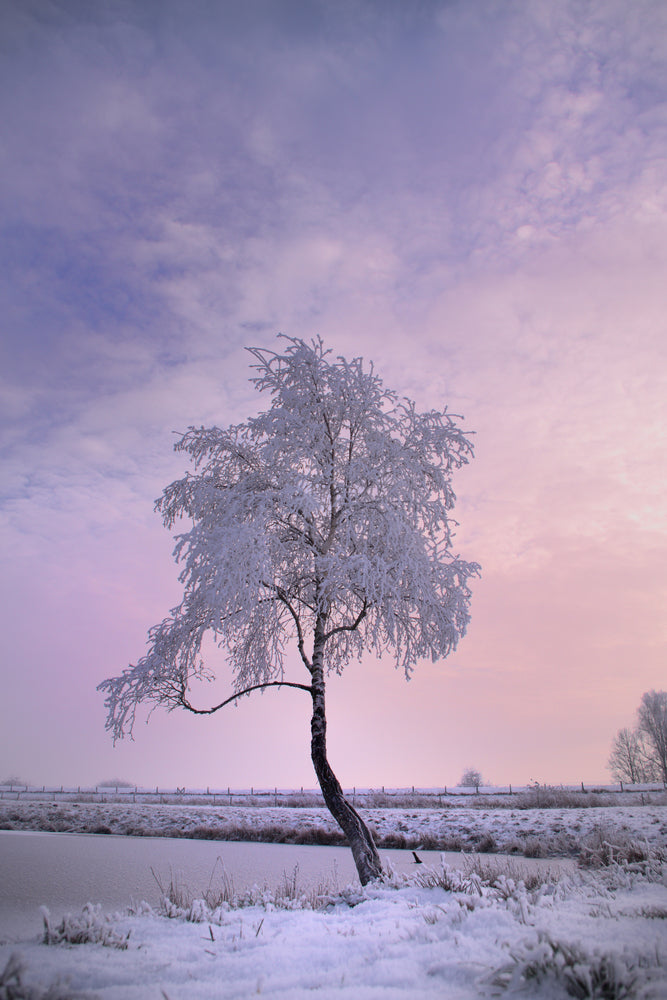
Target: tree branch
183	701
349	628
282	596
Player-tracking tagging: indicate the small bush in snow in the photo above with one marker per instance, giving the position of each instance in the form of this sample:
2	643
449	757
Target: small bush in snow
88	927
449	879
581	975
14	987
606	846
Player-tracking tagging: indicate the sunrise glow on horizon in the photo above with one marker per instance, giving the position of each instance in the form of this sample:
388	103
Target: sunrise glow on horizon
471	196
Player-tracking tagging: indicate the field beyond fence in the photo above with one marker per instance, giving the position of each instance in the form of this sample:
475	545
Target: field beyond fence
409	797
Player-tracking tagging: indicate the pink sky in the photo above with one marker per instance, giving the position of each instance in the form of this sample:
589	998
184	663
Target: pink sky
473	198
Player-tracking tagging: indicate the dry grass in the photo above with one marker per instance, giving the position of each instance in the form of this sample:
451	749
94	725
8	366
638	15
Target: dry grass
220	895
606	846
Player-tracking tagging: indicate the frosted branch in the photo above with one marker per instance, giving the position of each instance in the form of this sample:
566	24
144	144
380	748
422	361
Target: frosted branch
183	700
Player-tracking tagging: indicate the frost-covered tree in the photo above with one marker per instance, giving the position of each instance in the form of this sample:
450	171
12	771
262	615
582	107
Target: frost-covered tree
629	759
324	522
652	724
471	778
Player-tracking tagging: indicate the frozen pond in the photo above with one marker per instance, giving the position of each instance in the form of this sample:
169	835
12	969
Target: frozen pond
66	870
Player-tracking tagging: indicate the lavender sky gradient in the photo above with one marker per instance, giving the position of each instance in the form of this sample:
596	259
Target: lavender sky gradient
471	194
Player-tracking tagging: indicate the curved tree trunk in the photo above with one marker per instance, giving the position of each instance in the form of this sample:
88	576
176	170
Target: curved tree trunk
364	851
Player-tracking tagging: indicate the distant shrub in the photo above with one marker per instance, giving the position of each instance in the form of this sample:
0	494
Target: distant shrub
533	848
471	778
207	833
318	835
486	844
394	840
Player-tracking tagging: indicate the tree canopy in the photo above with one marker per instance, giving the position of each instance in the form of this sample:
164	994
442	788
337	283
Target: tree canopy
335	503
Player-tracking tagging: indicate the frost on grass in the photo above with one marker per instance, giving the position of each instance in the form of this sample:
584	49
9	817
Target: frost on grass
13	985
606	845
581	974
507	883
90	926
176	902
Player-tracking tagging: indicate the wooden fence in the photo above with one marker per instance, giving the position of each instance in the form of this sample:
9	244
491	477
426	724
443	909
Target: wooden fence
302	797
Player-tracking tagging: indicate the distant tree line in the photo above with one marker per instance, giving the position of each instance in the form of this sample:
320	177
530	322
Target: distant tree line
640	754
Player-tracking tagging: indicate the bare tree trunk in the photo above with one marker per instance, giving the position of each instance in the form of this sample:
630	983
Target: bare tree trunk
364	851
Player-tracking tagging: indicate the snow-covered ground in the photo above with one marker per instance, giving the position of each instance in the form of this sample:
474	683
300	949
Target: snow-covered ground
533	832
591	933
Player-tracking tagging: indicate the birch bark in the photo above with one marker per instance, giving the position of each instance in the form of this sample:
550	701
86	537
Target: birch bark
360	840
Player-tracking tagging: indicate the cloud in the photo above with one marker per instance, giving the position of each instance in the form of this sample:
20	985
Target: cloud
471	196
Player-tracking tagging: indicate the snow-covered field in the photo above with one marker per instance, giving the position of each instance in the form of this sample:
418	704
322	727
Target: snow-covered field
530	832
598	932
